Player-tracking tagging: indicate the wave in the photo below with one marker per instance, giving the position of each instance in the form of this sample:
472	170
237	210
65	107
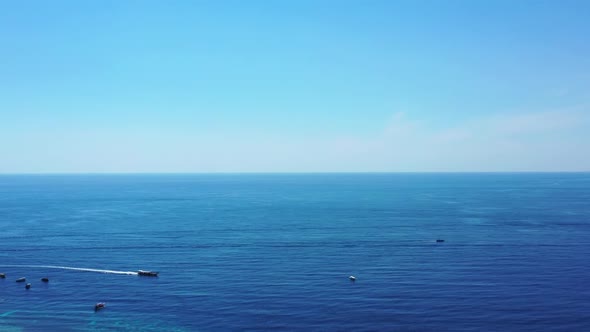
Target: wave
8	313
74	269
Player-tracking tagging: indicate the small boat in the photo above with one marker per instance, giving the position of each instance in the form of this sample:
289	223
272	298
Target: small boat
28	286
147	273
440	241
45	279
352	278
99	305
2	275
23	279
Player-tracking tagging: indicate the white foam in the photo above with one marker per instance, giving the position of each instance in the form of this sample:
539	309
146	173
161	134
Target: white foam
74	269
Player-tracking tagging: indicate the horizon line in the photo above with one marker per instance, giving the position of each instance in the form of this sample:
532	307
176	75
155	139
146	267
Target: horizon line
294	173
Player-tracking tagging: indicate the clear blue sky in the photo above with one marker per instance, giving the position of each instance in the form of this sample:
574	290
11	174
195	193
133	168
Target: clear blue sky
289	86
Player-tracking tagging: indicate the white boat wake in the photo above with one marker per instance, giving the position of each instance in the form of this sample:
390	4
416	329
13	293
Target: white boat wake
74	269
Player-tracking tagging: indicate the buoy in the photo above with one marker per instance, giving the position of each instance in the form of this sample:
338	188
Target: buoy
352	278
45	279
28	286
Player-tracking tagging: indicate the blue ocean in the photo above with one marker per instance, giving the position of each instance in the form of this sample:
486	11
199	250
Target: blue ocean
266	252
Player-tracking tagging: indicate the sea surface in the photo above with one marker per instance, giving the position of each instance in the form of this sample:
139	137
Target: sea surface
268	252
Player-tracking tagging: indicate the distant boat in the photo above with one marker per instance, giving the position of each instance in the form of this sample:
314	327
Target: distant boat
45	279
147	273
23	279
440	240
352	278
99	305
2	275
28	286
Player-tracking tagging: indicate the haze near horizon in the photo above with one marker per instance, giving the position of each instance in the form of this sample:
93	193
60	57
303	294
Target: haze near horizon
299	86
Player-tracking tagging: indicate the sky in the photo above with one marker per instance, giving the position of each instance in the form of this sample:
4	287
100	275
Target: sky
294	86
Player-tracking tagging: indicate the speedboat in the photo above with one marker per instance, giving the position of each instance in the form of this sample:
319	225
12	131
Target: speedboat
147	273
21	279
99	305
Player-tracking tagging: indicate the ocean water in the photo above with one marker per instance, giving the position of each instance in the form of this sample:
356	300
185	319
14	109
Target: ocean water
274	252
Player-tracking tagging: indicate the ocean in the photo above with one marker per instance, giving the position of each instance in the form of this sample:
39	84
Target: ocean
262	252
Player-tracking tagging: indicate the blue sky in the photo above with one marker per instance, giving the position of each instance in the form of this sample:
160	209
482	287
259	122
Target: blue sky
294	86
